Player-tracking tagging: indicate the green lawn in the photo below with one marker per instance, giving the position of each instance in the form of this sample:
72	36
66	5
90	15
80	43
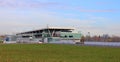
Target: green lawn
57	53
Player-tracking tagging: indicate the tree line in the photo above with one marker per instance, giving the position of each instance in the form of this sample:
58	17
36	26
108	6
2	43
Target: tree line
105	38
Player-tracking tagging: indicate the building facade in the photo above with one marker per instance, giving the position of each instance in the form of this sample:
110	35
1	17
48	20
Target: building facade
48	35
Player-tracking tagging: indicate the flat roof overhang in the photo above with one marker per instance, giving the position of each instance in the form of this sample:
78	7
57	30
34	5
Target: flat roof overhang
50	29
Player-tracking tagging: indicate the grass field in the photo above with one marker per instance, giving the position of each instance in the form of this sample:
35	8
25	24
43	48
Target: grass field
57	53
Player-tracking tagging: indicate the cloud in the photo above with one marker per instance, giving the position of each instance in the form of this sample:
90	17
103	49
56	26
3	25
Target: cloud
100	30
42	5
20	22
12	22
26	4
85	10
16	23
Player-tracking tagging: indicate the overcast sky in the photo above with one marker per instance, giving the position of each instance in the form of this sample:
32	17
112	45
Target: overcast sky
94	16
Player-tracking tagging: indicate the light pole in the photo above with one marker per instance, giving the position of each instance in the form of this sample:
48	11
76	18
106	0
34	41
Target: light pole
88	36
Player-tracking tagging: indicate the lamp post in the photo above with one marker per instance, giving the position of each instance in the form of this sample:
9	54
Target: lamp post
88	37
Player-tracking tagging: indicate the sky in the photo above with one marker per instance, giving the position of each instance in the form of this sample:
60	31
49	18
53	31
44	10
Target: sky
95	16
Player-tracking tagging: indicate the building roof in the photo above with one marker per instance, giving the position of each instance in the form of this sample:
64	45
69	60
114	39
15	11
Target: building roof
67	28
50	28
